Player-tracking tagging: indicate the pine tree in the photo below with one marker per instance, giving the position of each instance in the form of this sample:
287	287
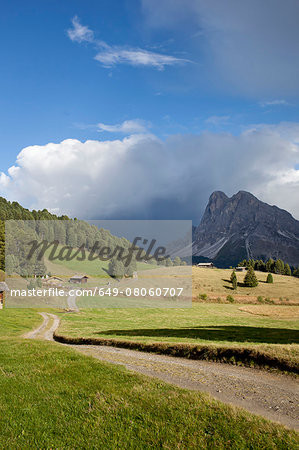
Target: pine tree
116	268
250	279
270	265
287	270
131	268
279	267
269	278
261	265
242	263
177	261
168	262
233	280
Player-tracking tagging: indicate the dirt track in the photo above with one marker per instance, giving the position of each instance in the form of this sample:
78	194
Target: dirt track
71	301
273	396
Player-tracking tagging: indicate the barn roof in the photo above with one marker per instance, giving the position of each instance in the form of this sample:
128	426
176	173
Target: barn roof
52	278
78	277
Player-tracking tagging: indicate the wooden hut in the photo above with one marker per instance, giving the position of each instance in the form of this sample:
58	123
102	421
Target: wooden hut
210	265
79	279
53	282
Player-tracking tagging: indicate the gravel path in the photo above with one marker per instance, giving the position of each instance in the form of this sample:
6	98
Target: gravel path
71	301
270	395
46	329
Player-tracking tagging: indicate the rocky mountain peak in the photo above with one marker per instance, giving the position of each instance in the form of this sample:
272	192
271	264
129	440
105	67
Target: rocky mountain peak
245	227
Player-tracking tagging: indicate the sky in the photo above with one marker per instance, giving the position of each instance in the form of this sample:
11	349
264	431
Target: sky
140	109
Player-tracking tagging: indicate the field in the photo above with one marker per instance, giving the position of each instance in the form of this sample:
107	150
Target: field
215	284
272	331
212	284
96	268
53	397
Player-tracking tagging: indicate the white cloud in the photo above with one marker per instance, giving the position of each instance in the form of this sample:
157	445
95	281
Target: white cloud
127	127
110	56
141	176
80	33
218	120
273	103
136	57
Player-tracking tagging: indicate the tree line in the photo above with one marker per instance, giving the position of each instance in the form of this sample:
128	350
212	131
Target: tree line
271	266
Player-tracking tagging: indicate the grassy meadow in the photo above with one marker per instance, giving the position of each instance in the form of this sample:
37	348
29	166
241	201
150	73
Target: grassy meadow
215	284
271	329
209	284
53	397
96	268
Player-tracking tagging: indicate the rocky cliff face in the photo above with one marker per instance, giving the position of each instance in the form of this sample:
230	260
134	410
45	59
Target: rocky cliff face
244	227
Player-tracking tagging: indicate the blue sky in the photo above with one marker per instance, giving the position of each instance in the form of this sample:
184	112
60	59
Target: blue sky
171	77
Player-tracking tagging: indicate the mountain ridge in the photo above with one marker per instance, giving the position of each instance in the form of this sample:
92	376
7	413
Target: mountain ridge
244	227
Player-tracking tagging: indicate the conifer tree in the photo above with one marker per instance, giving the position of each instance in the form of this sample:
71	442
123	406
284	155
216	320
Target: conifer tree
168	262
233	280
270	265
250	279
177	261
287	270
279	266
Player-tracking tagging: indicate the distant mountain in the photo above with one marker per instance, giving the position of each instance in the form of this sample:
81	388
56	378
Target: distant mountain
243	227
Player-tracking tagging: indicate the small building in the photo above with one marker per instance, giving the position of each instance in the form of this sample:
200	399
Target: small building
53	281
79	279
3	289
241	269
210	265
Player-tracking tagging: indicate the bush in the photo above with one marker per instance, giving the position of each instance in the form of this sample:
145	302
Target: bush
202	296
230	299
269	278
260	299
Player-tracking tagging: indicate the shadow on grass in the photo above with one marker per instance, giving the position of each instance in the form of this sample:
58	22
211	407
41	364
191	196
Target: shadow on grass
215	333
240	283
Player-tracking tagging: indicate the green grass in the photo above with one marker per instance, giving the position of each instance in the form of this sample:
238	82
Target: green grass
209	324
202	323
96	268
53	397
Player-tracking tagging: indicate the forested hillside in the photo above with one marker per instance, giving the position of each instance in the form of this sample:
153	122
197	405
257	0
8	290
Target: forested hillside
14	211
50	227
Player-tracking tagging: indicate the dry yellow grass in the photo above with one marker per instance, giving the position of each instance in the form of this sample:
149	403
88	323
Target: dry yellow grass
215	284
273	311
